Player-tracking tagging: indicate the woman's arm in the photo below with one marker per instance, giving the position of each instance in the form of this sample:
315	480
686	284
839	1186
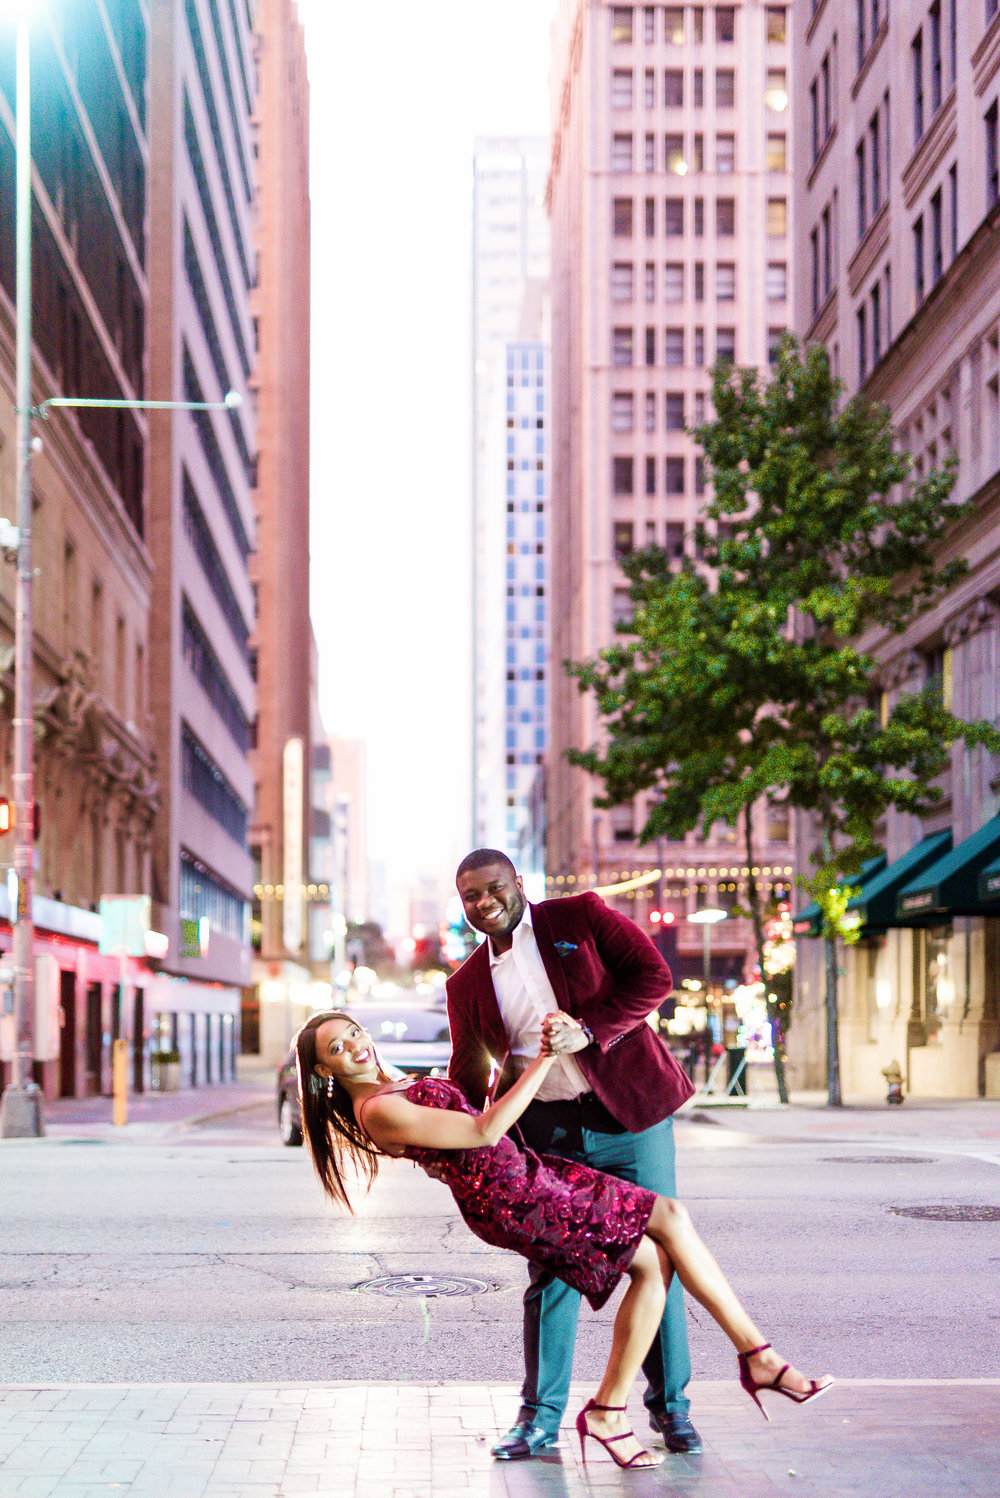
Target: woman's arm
393	1121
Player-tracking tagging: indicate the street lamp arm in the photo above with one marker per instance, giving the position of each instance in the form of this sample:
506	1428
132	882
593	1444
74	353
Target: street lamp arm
232	400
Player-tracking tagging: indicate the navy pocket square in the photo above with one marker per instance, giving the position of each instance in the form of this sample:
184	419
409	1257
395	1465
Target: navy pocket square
565	947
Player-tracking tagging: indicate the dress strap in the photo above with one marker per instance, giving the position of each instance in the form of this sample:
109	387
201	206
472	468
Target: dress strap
390	1087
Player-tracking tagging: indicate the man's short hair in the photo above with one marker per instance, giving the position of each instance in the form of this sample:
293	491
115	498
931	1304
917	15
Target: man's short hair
479	858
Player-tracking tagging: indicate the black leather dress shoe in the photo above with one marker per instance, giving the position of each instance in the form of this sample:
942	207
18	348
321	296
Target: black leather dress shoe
679	1435
521	1441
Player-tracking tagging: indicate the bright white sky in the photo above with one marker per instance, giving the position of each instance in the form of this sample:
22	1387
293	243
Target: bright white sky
399	92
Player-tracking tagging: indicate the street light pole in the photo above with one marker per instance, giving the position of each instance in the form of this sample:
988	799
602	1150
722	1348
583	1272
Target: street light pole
20	1109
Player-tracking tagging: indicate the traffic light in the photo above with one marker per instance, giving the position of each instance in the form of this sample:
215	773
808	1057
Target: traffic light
6	815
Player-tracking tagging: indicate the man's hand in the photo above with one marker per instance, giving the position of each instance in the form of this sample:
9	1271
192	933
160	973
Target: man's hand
562	1034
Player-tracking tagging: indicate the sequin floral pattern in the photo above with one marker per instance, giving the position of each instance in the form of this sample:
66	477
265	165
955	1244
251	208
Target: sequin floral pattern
582	1225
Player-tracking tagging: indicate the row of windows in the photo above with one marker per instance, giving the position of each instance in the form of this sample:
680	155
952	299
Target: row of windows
681	160
623	282
679	26
673	91
871	167
203	894
933	66
822	91
622	346
204	664
822	251
197	530
204	781
674	216
212	453
874	323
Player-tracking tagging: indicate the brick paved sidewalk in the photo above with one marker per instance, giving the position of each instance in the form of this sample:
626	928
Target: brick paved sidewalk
865	1439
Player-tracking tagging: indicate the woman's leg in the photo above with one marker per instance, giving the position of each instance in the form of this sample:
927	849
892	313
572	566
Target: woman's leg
670	1226
634	1329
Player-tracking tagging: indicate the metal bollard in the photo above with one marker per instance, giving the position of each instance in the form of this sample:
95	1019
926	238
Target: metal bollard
119	1082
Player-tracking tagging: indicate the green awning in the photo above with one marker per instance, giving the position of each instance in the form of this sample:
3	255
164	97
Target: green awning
989	883
875	902
809	921
950	885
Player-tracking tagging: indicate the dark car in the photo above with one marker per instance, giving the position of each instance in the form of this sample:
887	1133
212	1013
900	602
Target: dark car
411	1036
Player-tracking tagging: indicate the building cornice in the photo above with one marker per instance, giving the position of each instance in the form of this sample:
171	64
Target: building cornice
986	58
874	243
937	139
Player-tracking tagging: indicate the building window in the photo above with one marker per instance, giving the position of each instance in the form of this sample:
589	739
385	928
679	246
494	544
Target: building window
621	218
725	345
674	475
673	347
673	216
774	337
725	154
725	216
673	88
725	281
699	280
621	23
650	347
698	154
875	153
649	88
623	475
862	344
699	218
649	158
673	282
859	177
776	24
934	29
699	88
698	24
650	477
776	159
953	207
814	270
725	23
876	323
621	88
621	153
918	258
622	411
622	607
621	348
673	25
622	539
649	25
650	410
674	411
917	64
673	155
827	249
937	238
725	88
649	224
814	135
649	281
699	347
777	218
776	283
992	157
776	90
621	281
674	539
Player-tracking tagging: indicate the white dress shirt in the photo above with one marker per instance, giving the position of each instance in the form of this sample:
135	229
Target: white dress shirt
526	996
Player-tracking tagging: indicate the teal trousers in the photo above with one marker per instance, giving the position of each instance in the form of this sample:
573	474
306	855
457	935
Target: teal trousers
551	1308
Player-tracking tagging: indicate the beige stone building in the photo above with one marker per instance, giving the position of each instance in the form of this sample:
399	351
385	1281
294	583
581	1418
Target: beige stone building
898	206
672	235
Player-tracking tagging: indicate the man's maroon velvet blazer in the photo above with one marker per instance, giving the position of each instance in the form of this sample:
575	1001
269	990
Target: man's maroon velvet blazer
607	974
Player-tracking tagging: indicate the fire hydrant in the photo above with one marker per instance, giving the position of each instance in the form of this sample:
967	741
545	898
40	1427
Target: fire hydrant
894	1077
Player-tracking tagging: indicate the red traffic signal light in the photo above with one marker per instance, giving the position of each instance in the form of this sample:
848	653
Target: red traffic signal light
662	917
6	815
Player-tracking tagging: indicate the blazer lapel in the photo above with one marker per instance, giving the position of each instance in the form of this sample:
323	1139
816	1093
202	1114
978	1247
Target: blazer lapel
490	1018
549	955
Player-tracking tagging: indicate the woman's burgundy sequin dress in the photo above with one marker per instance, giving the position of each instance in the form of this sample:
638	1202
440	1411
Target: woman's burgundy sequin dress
582	1225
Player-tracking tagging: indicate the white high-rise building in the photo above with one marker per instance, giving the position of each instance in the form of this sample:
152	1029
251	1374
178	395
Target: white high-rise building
510	271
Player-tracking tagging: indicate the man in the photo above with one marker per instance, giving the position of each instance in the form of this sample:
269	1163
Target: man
588	977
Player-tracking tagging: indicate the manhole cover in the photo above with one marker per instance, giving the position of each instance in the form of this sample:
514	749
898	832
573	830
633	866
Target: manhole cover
947	1213
413	1285
879	1160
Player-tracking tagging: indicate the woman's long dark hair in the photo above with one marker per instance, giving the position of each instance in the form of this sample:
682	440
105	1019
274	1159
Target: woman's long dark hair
328	1116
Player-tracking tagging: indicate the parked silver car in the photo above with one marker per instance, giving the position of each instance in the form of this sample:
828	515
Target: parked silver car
412	1036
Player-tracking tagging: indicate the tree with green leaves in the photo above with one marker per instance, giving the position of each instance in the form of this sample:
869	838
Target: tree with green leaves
739	676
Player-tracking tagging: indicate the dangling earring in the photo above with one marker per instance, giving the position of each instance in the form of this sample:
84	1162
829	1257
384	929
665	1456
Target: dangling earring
329	1088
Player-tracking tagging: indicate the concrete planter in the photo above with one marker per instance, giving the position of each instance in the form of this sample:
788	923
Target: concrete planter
165	1075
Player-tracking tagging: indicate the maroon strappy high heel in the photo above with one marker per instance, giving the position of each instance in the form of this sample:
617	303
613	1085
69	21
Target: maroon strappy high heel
753	1388
583	1430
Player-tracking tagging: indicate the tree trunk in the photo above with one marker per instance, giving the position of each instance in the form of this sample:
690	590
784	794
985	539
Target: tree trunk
757	916
833	1097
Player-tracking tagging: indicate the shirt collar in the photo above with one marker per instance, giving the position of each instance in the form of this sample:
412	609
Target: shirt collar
525	922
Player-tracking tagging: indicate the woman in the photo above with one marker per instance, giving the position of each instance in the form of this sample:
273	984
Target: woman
588	1228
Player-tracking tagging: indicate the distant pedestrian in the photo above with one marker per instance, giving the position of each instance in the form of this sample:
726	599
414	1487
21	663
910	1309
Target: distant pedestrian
588	1228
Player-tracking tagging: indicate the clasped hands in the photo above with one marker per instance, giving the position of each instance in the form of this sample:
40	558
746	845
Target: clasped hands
561	1035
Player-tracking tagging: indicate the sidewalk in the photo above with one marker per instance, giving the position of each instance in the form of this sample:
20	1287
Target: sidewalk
863	1440
807	1118
153	1115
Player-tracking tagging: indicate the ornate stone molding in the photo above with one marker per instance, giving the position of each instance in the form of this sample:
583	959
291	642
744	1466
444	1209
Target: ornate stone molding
980	615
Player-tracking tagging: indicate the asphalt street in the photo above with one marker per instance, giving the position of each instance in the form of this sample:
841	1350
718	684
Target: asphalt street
209	1255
